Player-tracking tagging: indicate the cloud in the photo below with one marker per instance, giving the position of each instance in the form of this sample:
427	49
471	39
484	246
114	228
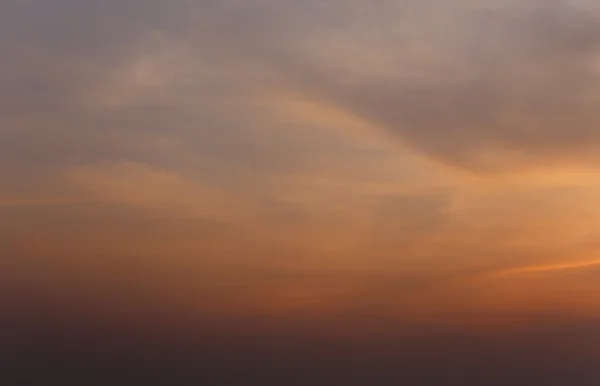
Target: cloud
549	268
287	145
482	86
529	96
138	184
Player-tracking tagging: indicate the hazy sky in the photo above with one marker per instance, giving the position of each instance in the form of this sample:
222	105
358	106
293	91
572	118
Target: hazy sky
309	163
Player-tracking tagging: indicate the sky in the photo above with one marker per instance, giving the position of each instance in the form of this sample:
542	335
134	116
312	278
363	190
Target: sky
337	169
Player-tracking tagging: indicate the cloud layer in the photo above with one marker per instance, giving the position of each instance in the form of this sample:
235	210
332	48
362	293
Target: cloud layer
304	158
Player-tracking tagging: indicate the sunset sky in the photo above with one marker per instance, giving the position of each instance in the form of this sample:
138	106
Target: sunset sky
341	166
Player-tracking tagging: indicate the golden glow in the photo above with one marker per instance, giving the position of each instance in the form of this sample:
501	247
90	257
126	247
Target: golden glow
400	162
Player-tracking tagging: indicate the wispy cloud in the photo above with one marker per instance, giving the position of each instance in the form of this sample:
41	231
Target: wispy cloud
323	148
571	265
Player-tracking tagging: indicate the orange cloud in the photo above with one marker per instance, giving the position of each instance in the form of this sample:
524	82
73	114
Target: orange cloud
548	268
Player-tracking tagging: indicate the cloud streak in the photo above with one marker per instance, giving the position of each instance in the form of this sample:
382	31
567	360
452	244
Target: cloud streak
572	265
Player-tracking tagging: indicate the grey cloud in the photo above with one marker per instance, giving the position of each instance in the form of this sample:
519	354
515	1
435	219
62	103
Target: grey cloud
53	51
531	90
498	85
63	57
467	79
